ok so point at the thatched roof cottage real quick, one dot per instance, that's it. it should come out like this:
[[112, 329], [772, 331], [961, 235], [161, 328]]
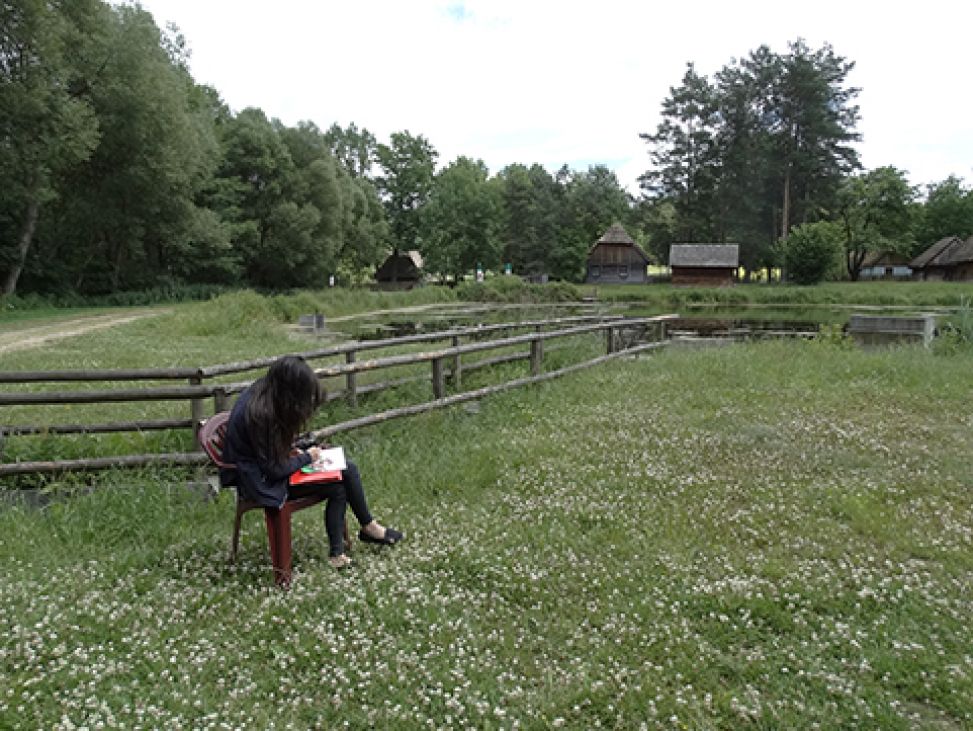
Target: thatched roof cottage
[[615, 258], [400, 271], [949, 259]]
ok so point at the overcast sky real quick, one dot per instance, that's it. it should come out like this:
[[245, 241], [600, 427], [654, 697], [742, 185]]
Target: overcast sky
[[530, 81]]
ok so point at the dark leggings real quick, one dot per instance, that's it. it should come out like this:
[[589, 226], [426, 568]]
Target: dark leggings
[[339, 495]]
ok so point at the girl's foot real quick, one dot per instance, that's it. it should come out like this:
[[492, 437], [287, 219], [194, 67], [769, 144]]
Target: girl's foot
[[340, 562], [375, 533], [373, 530]]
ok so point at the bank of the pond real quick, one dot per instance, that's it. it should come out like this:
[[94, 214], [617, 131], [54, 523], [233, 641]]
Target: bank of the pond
[[947, 295], [766, 536]]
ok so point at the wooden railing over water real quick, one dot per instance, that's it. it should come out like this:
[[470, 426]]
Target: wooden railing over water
[[445, 362]]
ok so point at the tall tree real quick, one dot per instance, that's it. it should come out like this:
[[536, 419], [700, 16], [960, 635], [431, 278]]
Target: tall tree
[[744, 197], [594, 200], [946, 211], [875, 215], [811, 119], [47, 124], [408, 165], [531, 211], [766, 144], [129, 218], [683, 153], [463, 220], [356, 149]]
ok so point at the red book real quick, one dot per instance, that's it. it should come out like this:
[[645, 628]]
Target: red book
[[315, 476], [327, 469]]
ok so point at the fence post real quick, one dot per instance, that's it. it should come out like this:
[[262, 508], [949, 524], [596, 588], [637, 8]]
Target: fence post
[[220, 400], [540, 345], [196, 408], [457, 365], [438, 379], [610, 340], [350, 381], [536, 354]]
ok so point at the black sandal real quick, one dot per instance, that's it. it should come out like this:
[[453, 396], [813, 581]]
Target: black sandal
[[391, 537]]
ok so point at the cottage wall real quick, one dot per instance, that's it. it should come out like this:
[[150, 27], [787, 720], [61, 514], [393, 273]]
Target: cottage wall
[[885, 272], [617, 274], [961, 272], [616, 264], [703, 276]]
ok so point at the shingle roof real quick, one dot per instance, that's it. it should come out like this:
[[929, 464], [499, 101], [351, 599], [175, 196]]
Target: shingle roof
[[615, 235], [884, 258], [704, 255], [934, 255], [408, 264], [960, 253], [619, 236]]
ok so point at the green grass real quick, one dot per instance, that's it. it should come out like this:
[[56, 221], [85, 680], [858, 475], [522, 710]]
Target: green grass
[[233, 327], [767, 536], [878, 294]]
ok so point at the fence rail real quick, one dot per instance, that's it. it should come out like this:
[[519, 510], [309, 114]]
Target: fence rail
[[444, 361]]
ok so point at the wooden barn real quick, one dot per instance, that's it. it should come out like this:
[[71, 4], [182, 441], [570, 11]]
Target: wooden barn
[[402, 270], [885, 265], [615, 258], [948, 260], [713, 265]]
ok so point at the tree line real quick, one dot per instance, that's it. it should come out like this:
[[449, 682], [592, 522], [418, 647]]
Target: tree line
[[119, 172], [762, 154]]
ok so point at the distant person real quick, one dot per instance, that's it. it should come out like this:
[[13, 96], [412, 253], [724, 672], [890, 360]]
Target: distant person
[[265, 421]]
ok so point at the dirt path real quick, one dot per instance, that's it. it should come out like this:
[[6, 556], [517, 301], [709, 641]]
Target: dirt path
[[35, 335]]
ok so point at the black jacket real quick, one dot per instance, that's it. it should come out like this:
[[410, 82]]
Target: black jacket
[[256, 478]]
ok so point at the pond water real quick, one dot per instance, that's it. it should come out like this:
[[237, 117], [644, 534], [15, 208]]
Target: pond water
[[696, 320], [434, 320]]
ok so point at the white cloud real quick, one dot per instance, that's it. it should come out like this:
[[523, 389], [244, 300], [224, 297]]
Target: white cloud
[[560, 82]]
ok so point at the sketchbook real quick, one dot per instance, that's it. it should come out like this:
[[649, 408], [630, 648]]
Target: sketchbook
[[326, 469]]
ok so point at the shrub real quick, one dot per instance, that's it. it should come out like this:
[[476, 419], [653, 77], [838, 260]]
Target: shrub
[[956, 335], [238, 311], [810, 252]]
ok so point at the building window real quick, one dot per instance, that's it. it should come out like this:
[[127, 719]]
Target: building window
[[595, 272], [623, 271]]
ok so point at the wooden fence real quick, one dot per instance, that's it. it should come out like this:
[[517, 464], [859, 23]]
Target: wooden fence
[[445, 361]]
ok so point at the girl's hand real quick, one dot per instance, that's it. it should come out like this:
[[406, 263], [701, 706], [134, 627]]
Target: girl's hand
[[315, 453]]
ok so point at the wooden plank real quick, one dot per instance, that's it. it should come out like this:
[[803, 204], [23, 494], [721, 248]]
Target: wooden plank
[[118, 426], [457, 365], [141, 374], [438, 379], [323, 434], [364, 345], [199, 458], [165, 393], [103, 463], [429, 355], [350, 379]]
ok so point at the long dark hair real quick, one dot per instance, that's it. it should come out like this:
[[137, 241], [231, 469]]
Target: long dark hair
[[280, 404]]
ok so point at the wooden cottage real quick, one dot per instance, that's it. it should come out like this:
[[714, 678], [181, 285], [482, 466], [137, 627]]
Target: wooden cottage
[[615, 258], [712, 265], [949, 259], [402, 270], [885, 265]]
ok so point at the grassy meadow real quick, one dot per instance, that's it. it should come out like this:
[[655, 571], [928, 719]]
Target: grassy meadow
[[878, 294], [768, 536]]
